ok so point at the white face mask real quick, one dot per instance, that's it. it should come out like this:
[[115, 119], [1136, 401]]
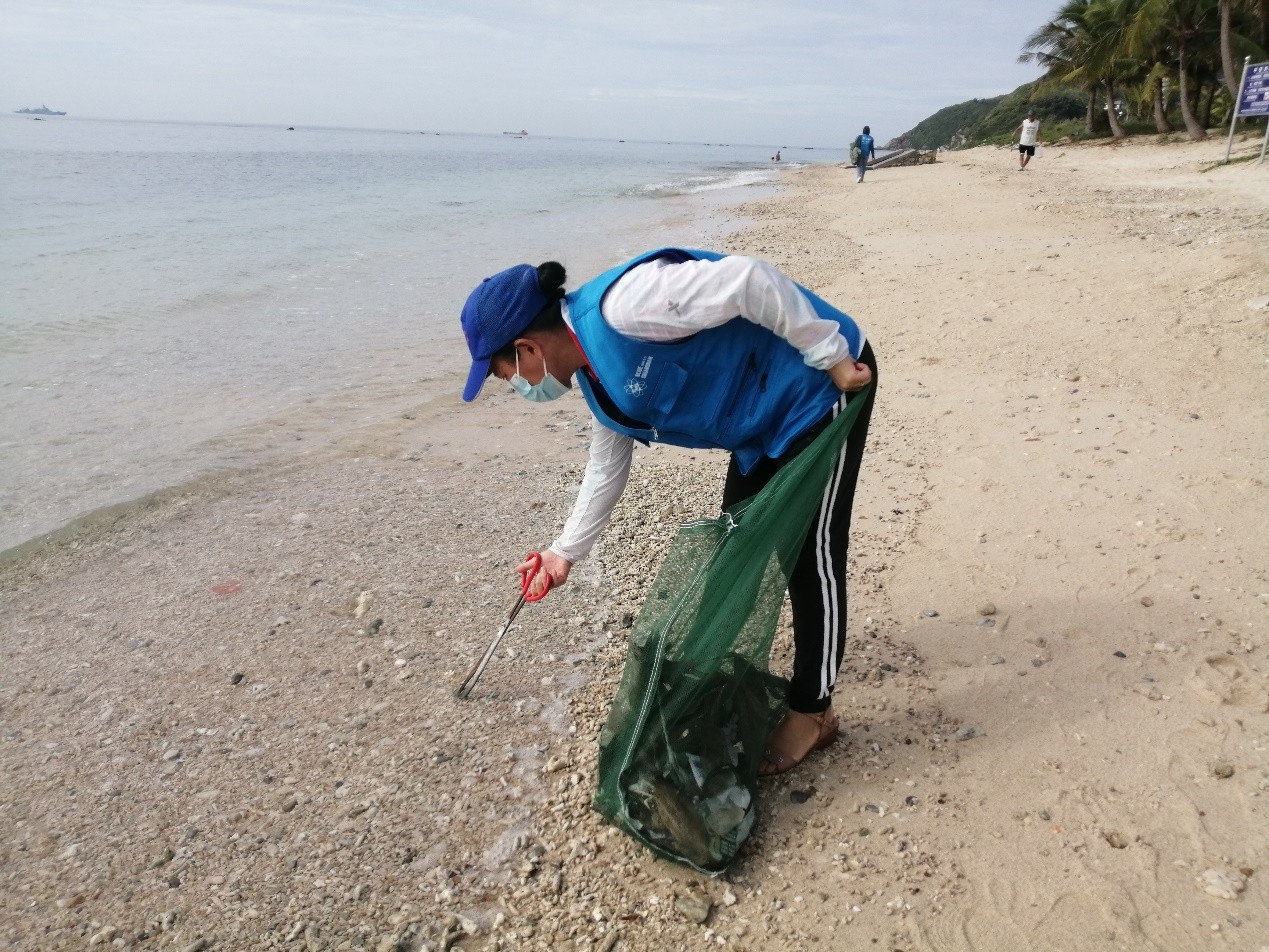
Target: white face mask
[[546, 391]]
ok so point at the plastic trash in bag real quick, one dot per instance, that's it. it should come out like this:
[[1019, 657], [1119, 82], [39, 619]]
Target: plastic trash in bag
[[680, 751]]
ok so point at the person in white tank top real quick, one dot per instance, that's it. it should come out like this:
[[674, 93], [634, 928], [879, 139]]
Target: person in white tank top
[[1027, 131]]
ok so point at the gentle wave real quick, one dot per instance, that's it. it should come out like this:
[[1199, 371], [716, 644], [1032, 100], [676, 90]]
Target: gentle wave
[[696, 184]]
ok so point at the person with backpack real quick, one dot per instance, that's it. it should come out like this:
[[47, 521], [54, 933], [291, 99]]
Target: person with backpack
[[862, 149], [695, 349]]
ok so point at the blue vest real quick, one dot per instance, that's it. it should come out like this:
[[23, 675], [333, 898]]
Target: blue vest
[[736, 387], [865, 145]]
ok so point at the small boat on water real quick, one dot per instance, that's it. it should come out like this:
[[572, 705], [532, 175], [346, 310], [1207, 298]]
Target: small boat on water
[[42, 111], [519, 135]]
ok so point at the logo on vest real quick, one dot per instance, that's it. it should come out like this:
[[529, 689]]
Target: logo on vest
[[635, 385]]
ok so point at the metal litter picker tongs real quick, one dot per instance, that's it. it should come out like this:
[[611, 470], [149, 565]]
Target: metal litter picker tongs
[[526, 581]]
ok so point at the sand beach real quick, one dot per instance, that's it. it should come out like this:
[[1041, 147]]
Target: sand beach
[[226, 713]]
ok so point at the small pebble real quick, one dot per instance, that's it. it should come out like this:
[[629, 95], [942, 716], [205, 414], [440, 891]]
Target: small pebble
[[1115, 839], [1147, 601], [930, 613], [692, 908], [987, 608], [163, 859], [987, 622], [968, 733], [1120, 654], [997, 659], [1222, 884], [1223, 771]]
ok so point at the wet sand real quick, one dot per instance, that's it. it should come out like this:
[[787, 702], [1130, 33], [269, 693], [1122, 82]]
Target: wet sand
[[228, 719]]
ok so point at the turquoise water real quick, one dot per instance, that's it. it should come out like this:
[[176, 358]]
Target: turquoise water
[[173, 297]]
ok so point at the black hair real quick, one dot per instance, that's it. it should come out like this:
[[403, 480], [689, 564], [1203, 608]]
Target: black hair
[[867, 131], [551, 277]]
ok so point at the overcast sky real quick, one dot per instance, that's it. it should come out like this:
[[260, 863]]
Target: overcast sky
[[758, 71]]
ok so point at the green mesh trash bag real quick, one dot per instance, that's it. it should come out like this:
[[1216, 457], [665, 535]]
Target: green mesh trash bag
[[679, 753]]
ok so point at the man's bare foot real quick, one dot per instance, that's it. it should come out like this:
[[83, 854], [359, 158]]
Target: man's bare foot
[[795, 738]]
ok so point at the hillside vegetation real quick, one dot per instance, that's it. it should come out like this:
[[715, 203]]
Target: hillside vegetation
[[1117, 67], [945, 125], [980, 121]]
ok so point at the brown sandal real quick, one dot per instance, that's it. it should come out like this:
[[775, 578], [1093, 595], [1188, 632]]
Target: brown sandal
[[828, 727]]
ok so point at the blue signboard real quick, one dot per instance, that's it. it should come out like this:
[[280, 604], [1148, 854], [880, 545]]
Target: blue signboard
[[1255, 98]]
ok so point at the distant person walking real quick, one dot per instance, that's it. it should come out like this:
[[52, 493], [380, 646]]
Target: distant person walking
[[1027, 131], [862, 149]]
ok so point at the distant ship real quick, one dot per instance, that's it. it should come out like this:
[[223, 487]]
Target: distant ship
[[42, 111], [522, 132]]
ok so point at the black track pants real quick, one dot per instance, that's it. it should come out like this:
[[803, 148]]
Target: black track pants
[[817, 587]]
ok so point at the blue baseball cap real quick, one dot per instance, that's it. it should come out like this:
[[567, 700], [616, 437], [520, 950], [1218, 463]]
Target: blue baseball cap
[[496, 313]]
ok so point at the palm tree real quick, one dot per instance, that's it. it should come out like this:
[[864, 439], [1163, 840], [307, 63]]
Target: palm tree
[[1062, 47], [1227, 56], [1158, 102], [1126, 46], [1184, 25], [1109, 22], [1084, 45]]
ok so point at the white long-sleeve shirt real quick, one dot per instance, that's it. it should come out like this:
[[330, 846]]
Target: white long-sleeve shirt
[[662, 300]]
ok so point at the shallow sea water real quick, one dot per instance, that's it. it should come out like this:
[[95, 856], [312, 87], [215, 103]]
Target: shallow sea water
[[178, 298]]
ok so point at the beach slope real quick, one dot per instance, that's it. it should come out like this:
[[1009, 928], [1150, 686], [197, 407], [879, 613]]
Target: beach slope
[[228, 719]]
